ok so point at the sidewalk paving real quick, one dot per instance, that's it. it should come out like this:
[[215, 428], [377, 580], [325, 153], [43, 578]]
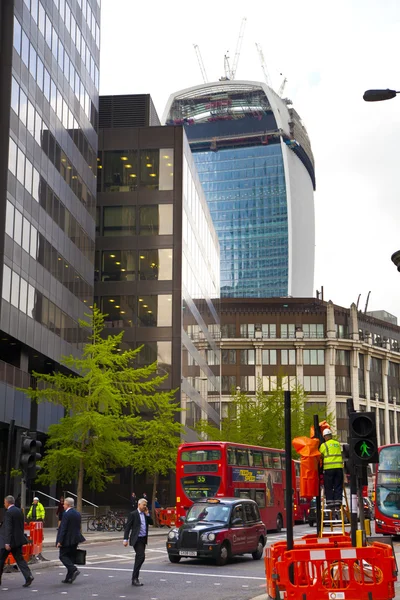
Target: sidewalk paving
[[50, 534]]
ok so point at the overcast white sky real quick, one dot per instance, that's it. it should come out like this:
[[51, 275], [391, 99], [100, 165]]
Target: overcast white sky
[[330, 52]]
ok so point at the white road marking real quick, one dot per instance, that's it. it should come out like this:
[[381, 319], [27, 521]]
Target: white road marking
[[177, 573]]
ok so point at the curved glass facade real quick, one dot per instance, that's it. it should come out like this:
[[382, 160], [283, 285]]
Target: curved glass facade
[[246, 193]]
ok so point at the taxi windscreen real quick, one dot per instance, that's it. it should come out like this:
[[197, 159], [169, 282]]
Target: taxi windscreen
[[208, 512]]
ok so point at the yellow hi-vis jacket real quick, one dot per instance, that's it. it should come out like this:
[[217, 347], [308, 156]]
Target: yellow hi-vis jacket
[[332, 455]]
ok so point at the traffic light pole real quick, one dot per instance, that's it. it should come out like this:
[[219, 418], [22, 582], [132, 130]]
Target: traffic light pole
[[23, 493], [317, 434], [10, 441]]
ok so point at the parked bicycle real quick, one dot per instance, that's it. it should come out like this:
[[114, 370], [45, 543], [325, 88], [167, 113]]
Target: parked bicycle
[[111, 521]]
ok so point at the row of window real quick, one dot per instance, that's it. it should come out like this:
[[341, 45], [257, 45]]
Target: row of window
[[269, 330], [22, 168], [28, 300], [270, 357], [127, 265], [30, 58], [39, 130], [256, 458], [121, 221], [87, 13], [132, 311], [26, 235], [126, 170]]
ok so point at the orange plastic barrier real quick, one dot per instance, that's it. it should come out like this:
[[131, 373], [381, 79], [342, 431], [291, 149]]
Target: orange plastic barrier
[[26, 550], [332, 570], [36, 535], [166, 516]]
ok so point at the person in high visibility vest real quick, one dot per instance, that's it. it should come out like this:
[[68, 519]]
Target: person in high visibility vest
[[333, 469]]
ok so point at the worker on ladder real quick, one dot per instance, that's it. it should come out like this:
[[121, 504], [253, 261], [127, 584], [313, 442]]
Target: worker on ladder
[[333, 470]]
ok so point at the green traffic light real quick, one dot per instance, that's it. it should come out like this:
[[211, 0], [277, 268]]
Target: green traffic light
[[364, 449]]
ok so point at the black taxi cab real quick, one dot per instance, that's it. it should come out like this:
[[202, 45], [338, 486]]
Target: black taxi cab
[[218, 528]]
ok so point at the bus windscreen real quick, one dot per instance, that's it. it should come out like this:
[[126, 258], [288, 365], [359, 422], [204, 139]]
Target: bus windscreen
[[201, 486]]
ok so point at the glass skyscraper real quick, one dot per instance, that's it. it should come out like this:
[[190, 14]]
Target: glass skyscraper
[[256, 166], [49, 73]]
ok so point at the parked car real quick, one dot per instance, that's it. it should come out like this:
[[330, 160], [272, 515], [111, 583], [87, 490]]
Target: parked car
[[219, 528], [312, 513]]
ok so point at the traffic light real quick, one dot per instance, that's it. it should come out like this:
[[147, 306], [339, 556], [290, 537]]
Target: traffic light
[[363, 440], [30, 454]]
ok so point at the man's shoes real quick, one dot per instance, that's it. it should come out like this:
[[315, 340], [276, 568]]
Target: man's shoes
[[28, 581], [136, 582], [75, 575], [66, 581]]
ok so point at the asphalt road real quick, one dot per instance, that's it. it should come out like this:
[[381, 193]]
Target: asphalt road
[[107, 575]]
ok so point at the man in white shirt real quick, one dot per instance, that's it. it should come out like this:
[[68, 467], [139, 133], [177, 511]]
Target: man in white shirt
[[136, 531]]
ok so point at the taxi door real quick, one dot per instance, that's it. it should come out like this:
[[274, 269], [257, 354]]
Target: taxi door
[[252, 527], [238, 530]]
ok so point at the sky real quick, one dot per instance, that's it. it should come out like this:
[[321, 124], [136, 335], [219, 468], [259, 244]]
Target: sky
[[330, 53]]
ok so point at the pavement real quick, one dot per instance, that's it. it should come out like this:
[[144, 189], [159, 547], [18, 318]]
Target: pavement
[[50, 534]]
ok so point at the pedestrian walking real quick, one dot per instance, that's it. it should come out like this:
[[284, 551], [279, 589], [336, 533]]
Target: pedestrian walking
[[333, 470], [134, 501], [60, 510], [36, 511], [136, 534], [68, 537], [12, 538]]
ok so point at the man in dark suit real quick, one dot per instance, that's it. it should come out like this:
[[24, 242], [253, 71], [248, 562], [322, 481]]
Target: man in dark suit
[[68, 537], [136, 531], [13, 538]]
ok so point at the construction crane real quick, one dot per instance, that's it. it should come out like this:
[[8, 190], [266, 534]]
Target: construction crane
[[201, 64], [282, 87], [263, 65], [238, 49]]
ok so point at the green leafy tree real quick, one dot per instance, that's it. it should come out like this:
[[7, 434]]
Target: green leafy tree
[[101, 402], [157, 440], [259, 420]]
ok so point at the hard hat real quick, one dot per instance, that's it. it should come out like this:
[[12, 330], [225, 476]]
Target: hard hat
[[326, 432], [36, 498]]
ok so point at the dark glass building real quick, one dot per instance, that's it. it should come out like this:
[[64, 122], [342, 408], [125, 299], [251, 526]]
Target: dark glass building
[[157, 253], [49, 58], [256, 166]]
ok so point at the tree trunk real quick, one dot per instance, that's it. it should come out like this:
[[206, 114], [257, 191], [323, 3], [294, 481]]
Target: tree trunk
[[153, 499], [79, 491]]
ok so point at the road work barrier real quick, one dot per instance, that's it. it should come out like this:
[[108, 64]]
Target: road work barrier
[[166, 516], [330, 569]]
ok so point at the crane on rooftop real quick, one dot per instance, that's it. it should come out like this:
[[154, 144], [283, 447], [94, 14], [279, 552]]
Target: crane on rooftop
[[263, 65], [238, 48], [282, 87], [201, 64]]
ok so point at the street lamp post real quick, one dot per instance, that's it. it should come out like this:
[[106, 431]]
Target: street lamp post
[[379, 95]]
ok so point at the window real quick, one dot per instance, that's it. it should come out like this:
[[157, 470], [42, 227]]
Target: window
[[313, 330], [228, 330], [10, 219], [314, 383], [15, 289], [247, 330], [288, 357], [248, 383], [119, 311], [228, 357], [17, 35], [119, 220], [232, 456], [156, 219], [155, 264], [247, 357], [260, 498], [228, 383], [257, 458], [341, 331], [157, 169], [6, 289], [12, 157], [269, 357], [288, 330], [269, 383], [314, 357], [343, 384], [120, 170], [268, 330], [242, 457], [155, 311], [118, 265], [25, 49], [343, 357]]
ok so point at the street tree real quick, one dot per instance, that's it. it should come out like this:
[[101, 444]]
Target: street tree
[[157, 440], [101, 392], [259, 419]]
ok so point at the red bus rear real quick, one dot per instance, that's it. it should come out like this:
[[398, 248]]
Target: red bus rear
[[206, 469], [300, 505], [387, 491]]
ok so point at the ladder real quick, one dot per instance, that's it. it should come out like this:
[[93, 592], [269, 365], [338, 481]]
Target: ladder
[[332, 518]]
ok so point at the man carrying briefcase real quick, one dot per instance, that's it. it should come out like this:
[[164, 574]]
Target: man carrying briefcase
[[68, 537]]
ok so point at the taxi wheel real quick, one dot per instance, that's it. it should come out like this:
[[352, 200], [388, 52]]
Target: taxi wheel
[[279, 523], [173, 558], [224, 553], [260, 549]]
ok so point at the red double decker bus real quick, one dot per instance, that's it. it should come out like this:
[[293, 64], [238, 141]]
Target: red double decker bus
[[387, 490], [300, 505], [224, 469]]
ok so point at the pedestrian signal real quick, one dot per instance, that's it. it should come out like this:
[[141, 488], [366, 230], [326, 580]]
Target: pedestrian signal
[[363, 439]]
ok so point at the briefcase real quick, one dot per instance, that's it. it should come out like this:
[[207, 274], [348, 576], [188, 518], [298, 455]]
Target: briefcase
[[80, 557]]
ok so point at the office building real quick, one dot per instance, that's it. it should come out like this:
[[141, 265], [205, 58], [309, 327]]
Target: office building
[[333, 352], [157, 253], [49, 75], [256, 166]]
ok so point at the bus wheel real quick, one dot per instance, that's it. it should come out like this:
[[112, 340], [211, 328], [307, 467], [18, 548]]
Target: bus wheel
[[259, 552], [173, 558], [279, 523], [223, 555]]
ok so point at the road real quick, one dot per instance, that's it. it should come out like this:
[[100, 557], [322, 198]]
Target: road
[[107, 575]]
